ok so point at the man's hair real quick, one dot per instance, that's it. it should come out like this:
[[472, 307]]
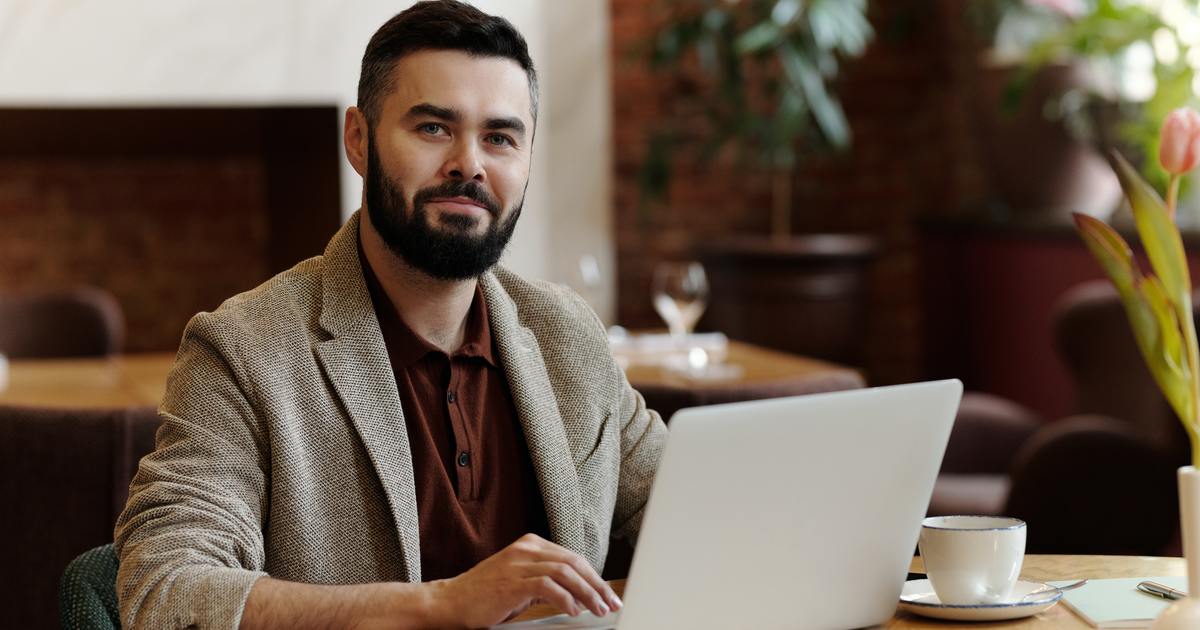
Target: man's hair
[[437, 25]]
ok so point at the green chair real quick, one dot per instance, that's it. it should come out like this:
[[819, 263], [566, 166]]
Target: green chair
[[87, 595]]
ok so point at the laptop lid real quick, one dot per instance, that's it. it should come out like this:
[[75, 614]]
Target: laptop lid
[[795, 512]]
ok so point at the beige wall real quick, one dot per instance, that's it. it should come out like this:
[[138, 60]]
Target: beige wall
[[195, 52]]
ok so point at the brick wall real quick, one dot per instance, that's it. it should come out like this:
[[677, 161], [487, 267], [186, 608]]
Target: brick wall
[[908, 102], [168, 237], [172, 210]]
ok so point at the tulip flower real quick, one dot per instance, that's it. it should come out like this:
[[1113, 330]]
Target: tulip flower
[[1179, 149]]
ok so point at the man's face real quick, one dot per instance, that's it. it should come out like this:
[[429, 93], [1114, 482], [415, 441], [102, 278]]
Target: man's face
[[448, 161]]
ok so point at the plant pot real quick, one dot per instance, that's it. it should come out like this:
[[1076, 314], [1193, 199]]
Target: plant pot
[[1036, 167], [1185, 613], [804, 294]]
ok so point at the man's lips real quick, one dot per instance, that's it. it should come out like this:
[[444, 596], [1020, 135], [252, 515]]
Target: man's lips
[[459, 204]]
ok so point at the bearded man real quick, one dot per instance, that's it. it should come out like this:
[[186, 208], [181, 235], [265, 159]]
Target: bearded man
[[399, 433]]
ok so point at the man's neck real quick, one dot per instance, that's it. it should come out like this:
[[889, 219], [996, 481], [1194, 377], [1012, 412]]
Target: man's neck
[[434, 309]]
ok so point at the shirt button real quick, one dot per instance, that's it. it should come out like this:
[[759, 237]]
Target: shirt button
[[464, 459], [451, 398]]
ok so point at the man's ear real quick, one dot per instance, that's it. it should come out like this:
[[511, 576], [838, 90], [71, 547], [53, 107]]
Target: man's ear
[[354, 136]]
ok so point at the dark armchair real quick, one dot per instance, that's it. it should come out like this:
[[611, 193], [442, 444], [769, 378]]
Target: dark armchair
[[78, 321], [1102, 481]]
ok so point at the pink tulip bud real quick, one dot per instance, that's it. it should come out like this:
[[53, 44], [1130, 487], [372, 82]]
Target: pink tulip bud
[[1068, 8], [1179, 147]]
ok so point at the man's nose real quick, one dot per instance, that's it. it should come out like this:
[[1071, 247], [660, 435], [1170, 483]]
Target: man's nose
[[464, 162]]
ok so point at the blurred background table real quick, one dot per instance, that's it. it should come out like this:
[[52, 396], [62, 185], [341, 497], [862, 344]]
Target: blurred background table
[[123, 380], [746, 372], [130, 380]]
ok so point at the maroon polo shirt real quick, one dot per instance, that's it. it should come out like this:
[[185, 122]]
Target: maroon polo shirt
[[476, 488]]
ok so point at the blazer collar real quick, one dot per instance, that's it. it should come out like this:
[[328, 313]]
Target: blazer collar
[[537, 408], [355, 360]]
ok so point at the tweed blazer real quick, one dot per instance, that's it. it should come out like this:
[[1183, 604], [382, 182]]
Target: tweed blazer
[[283, 448]]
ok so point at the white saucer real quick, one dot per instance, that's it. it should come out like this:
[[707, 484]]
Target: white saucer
[[918, 598]]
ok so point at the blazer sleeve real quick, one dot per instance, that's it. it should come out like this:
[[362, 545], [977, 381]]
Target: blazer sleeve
[[190, 538], [643, 435]]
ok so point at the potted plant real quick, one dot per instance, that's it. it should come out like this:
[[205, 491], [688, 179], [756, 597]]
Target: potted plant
[[760, 75], [1065, 80], [768, 68], [1159, 307]]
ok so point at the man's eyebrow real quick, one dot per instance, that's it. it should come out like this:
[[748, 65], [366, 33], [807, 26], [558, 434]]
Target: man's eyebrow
[[442, 113], [452, 115], [514, 124]]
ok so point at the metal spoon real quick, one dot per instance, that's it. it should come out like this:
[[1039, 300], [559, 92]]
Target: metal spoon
[[1054, 589]]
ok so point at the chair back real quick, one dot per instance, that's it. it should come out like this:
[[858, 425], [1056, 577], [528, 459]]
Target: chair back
[[78, 321], [1092, 484], [1096, 343], [87, 595]]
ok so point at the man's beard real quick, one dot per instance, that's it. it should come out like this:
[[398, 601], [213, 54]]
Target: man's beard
[[448, 252]]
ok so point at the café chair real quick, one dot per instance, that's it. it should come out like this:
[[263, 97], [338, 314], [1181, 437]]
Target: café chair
[[87, 595], [64, 476], [987, 435], [1093, 484], [1101, 481], [1095, 343], [68, 322]]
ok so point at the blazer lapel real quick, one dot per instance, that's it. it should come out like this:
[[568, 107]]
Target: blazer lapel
[[355, 360], [537, 408]]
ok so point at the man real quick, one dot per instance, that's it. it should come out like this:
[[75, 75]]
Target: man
[[391, 434]]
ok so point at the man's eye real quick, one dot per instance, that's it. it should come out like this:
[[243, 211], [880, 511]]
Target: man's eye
[[431, 128], [499, 140]]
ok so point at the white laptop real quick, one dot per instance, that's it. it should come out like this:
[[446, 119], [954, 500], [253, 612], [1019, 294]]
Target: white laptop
[[789, 513]]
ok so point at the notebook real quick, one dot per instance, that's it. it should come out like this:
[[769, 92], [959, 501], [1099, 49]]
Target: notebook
[[1116, 603]]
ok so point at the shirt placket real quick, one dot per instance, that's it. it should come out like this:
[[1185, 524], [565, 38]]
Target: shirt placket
[[465, 463]]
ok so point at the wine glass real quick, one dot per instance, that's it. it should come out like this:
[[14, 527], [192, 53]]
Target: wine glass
[[680, 291]]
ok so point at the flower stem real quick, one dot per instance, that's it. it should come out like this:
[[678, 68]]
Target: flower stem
[[1193, 362], [1172, 195]]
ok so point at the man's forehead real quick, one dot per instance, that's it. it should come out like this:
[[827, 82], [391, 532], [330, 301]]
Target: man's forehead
[[481, 86]]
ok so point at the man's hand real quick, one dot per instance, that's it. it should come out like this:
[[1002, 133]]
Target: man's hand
[[528, 571]]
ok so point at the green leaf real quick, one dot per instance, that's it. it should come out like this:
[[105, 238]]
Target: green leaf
[[826, 111], [760, 37], [1159, 235], [1110, 250], [1161, 342], [840, 25], [1151, 314], [785, 11]]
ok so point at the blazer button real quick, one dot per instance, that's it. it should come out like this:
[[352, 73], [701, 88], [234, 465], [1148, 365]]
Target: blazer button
[[464, 459], [451, 398]]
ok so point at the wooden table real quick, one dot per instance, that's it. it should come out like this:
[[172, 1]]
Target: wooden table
[[756, 373], [1037, 567], [757, 366], [128, 380], [140, 379]]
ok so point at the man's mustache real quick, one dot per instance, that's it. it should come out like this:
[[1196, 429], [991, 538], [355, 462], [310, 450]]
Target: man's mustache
[[469, 189]]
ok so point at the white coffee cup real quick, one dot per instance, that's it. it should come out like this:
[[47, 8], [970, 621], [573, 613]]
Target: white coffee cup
[[972, 560]]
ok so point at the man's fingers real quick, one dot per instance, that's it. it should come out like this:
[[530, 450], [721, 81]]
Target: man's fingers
[[545, 588], [569, 578], [536, 549], [556, 553]]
